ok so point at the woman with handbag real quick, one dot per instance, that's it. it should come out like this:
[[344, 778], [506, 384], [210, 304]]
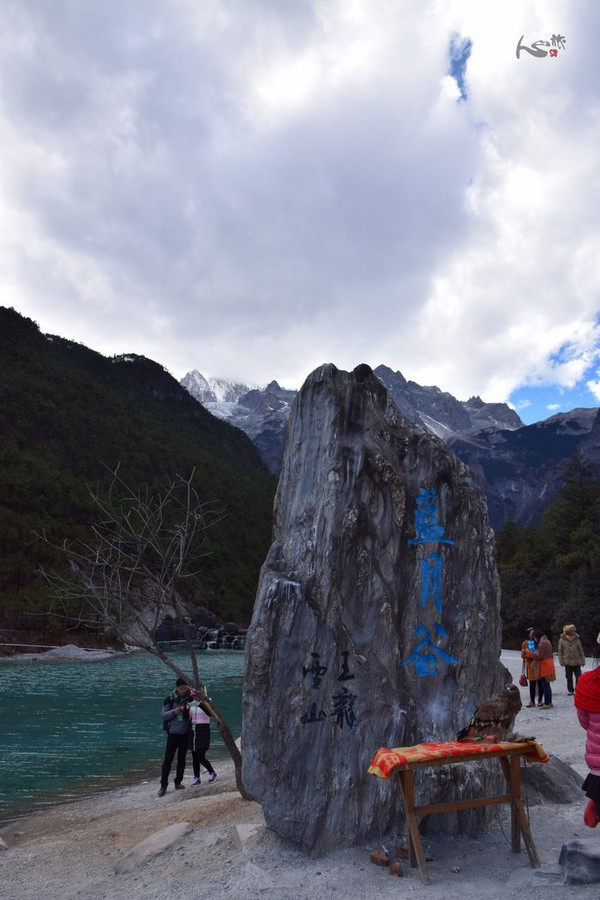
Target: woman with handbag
[[544, 656], [530, 672]]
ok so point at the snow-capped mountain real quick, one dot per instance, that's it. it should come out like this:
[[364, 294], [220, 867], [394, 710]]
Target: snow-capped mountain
[[212, 390], [442, 413], [263, 412], [520, 467]]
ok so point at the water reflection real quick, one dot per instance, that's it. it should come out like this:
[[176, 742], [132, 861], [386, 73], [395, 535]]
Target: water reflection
[[72, 726]]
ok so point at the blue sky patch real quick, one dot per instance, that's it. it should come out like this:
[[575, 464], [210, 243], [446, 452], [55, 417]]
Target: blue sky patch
[[459, 52], [534, 403]]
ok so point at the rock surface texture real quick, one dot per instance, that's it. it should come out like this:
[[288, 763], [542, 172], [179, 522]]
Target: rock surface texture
[[377, 618]]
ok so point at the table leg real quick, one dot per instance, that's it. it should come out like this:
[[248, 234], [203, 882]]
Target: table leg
[[518, 818], [415, 847], [520, 814], [513, 781]]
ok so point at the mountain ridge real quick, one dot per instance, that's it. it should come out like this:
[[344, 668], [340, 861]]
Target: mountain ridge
[[519, 467]]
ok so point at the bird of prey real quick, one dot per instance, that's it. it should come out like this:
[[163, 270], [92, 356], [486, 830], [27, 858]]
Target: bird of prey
[[494, 719]]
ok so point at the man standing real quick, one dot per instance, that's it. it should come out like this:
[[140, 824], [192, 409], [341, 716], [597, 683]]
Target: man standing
[[571, 655], [175, 713]]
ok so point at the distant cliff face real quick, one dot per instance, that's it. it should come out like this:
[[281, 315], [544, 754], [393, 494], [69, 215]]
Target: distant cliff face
[[522, 471], [442, 413], [519, 467]]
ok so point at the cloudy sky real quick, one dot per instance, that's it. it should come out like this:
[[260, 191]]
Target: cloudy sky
[[254, 187]]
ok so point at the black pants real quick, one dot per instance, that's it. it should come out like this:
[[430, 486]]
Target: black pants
[[198, 759], [569, 672], [176, 743], [533, 688], [591, 786], [201, 743], [547, 686]]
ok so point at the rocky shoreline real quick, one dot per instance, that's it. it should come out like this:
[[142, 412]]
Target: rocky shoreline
[[66, 651]]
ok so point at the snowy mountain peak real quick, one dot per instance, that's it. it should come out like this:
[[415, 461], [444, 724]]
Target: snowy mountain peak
[[227, 391], [213, 390], [197, 385]]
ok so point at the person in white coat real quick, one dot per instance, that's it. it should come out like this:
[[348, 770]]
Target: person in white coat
[[200, 719]]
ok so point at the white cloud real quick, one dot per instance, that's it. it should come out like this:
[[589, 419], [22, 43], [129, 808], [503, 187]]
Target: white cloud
[[253, 189]]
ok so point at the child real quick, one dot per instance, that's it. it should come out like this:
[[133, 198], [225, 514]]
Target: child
[[587, 704]]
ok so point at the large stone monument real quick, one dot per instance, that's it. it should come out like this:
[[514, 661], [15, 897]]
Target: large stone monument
[[377, 619]]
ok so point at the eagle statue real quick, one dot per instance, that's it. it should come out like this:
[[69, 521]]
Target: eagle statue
[[494, 719]]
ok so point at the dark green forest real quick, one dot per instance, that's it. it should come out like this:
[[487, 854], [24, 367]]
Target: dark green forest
[[67, 416], [550, 574]]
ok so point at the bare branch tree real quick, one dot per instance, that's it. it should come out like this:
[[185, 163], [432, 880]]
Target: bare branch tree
[[128, 576]]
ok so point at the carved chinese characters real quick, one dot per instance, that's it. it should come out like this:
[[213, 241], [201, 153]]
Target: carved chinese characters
[[341, 704]]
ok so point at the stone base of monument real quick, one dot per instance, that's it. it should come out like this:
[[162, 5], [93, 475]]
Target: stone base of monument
[[580, 861]]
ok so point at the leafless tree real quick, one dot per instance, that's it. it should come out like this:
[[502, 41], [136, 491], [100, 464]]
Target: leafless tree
[[128, 576]]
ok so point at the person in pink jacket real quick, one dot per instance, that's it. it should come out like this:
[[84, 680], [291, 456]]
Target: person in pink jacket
[[200, 719], [587, 704]]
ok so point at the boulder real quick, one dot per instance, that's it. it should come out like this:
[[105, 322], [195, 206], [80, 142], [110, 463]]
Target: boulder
[[376, 622], [580, 861], [554, 782]]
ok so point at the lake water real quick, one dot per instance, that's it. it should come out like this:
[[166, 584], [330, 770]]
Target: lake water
[[74, 726]]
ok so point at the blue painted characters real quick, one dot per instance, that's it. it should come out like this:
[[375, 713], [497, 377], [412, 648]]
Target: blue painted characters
[[427, 652]]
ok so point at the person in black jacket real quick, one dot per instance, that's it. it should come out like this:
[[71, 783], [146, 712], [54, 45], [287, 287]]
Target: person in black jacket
[[175, 713]]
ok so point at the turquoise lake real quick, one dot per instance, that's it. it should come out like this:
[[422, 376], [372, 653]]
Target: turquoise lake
[[72, 727]]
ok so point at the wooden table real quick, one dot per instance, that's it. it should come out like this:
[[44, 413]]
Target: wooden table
[[509, 755]]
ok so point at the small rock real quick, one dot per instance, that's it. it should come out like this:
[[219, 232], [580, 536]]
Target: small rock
[[580, 861], [151, 847], [246, 836], [396, 869], [380, 858], [455, 869]]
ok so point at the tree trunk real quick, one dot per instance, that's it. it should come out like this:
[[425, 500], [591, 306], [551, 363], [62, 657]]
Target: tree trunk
[[231, 746]]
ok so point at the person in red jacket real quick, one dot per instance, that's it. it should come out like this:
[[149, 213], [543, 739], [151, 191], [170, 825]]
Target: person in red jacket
[[587, 704]]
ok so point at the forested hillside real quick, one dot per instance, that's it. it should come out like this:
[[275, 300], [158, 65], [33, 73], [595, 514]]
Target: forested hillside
[[550, 575], [67, 416]]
